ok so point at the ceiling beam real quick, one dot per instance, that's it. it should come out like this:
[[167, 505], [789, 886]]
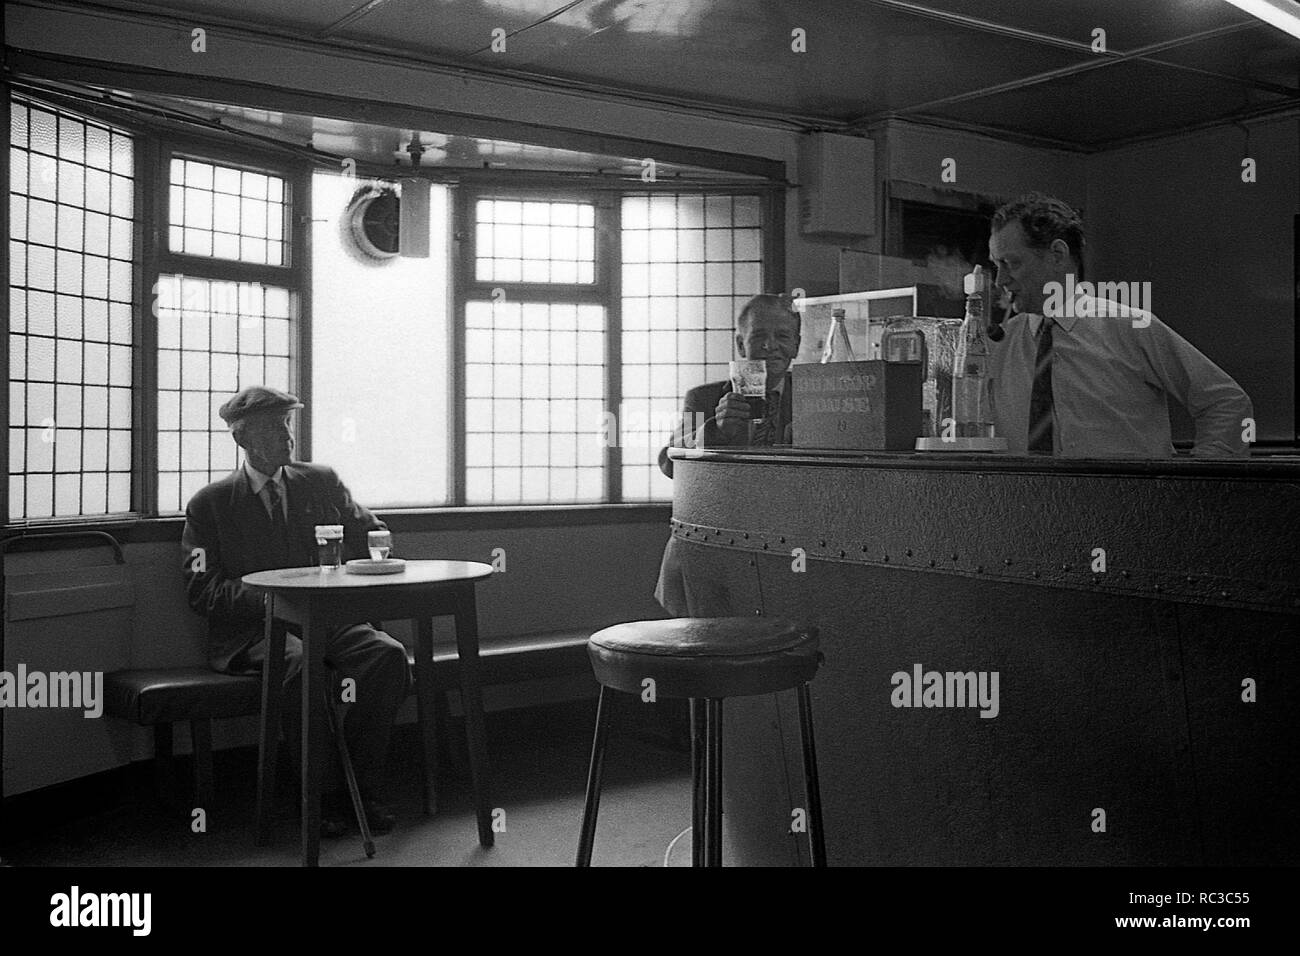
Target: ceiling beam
[[351, 17]]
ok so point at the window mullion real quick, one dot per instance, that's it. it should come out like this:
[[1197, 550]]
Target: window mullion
[[150, 198], [462, 267], [609, 257]]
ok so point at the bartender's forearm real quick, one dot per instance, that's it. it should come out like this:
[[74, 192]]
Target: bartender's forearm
[[1221, 428]]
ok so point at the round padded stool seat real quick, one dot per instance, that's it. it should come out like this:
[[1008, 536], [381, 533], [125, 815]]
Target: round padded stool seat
[[705, 657]]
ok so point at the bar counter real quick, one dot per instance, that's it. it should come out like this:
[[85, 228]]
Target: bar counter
[[1141, 618]]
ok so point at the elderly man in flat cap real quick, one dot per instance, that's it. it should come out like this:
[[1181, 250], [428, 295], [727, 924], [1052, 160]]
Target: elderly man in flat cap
[[263, 516]]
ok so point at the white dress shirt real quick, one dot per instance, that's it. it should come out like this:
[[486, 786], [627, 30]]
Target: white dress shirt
[[259, 481], [1112, 374]]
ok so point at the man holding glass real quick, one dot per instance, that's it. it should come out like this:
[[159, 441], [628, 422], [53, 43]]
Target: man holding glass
[[717, 413], [264, 516]]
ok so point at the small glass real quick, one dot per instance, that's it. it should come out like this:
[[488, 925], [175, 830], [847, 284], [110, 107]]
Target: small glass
[[329, 546], [380, 544]]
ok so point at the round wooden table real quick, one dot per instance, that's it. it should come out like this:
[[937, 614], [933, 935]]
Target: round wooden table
[[315, 601]]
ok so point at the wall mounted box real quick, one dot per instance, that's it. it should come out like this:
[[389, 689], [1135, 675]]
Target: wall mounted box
[[837, 185], [859, 406]]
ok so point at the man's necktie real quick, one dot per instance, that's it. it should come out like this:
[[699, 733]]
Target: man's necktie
[[279, 527], [1040, 402], [765, 432]]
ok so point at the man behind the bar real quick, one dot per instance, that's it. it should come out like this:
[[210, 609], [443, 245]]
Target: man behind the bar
[[263, 516], [1092, 378], [713, 415]]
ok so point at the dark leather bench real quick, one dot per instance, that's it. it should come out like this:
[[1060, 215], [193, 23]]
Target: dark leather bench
[[162, 697]]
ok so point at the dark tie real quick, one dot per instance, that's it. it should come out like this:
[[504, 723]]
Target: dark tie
[[1040, 402], [278, 526], [766, 431]]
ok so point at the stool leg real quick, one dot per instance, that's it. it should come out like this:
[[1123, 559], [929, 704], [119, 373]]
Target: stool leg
[[816, 834], [594, 774], [713, 782], [698, 826], [201, 739]]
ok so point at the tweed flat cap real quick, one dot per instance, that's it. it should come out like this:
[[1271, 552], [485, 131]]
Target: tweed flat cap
[[257, 398]]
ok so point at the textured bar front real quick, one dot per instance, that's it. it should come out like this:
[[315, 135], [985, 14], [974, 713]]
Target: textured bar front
[[1141, 620]]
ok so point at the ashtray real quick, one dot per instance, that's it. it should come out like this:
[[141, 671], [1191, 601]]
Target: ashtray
[[366, 566]]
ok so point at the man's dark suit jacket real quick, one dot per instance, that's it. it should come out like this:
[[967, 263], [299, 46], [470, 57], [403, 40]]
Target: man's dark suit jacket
[[698, 409], [232, 527]]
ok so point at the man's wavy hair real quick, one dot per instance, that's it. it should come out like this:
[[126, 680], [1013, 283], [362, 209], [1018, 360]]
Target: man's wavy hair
[[1044, 220], [779, 303]]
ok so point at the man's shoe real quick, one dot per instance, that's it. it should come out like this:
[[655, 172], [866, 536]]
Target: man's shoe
[[334, 816], [378, 817], [332, 825]]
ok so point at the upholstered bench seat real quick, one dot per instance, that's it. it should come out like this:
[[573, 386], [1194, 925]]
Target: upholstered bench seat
[[171, 694]]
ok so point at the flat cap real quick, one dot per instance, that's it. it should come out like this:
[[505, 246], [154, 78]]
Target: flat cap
[[257, 398]]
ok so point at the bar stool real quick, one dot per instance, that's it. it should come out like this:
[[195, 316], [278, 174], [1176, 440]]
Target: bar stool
[[705, 660]]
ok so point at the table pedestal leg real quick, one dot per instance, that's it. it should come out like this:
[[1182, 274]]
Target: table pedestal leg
[[315, 679], [268, 750], [426, 705], [472, 702]]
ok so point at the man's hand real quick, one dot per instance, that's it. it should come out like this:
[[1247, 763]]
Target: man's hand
[[732, 416]]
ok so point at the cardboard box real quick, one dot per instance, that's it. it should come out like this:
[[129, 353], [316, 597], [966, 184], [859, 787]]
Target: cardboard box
[[863, 406]]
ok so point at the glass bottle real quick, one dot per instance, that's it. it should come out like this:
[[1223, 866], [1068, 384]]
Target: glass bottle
[[971, 364], [837, 347]]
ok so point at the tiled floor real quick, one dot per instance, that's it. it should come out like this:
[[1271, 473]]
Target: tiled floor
[[539, 763]]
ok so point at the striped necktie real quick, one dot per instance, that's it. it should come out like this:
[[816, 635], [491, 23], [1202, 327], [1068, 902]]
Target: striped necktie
[[1040, 402]]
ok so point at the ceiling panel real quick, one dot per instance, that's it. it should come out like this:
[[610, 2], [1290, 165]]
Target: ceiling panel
[[734, 53], [865, 59], [1102, 106], [1128, 23]]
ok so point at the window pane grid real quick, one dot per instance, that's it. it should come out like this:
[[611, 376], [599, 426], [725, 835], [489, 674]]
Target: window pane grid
[[534, 402], [214, 338], [530, 241], [689, 262], [72, 199], [226, 213]]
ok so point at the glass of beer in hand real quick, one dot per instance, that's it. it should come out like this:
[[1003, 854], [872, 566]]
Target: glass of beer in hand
[[749, 380], [329, 546]]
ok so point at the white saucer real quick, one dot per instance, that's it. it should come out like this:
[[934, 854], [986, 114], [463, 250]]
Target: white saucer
[[961, 444], [366, 566]]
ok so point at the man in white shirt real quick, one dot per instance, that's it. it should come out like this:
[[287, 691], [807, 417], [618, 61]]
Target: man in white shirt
[[1084, 377]]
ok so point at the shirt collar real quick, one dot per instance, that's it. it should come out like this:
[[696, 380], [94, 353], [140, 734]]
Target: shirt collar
[[258, 481], [1064, 321]]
